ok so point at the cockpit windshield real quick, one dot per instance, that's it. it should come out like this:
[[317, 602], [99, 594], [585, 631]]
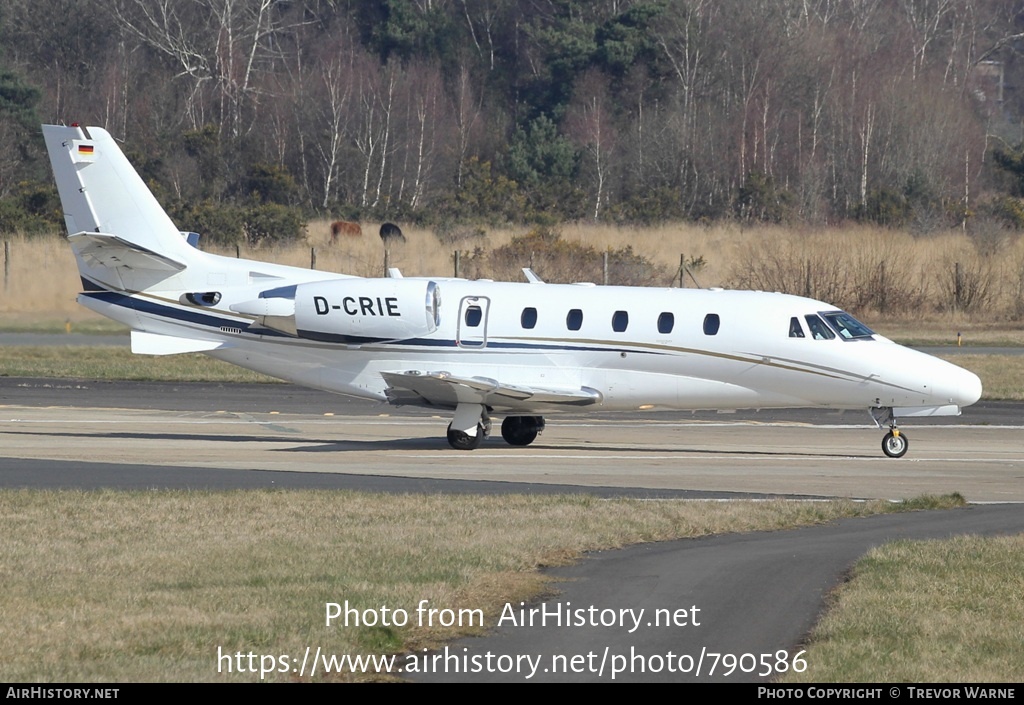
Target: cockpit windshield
[[848, 327], [819, 331]]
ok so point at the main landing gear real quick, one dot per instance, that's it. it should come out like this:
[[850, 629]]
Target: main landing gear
[[895, 443], [461, 440], [521, 430], [472, 424]]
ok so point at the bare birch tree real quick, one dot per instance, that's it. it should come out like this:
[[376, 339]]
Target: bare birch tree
[[589, 125], [223, 43]]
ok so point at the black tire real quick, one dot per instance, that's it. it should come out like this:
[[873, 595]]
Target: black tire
[[459, 440], [895, 446], [521, 430]]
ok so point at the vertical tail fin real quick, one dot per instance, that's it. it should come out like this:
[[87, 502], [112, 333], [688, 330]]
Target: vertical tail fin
[[101, 192]]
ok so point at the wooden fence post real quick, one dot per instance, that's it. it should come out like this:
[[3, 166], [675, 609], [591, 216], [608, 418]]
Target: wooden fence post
[[958, 287]]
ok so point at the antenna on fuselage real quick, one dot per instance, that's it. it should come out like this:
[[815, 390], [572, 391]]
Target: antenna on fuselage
[[531, 276]]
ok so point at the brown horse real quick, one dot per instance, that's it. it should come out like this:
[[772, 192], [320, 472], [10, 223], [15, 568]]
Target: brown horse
[[346, 228]]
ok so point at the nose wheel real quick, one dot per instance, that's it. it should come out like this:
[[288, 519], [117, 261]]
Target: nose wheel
[[895, 444]]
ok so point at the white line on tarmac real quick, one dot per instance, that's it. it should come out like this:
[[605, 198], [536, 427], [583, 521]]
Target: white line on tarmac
[[244, 419], [708, 455]]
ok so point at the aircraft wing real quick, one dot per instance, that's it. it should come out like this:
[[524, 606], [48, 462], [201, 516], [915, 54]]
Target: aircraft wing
[[443, 389], [102, 249]]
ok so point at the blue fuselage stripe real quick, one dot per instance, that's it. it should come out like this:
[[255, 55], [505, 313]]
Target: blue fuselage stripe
[[153, 308]]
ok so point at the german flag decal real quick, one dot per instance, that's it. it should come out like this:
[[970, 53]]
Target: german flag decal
[[83, 152]]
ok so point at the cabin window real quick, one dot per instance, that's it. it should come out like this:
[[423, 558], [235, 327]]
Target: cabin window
[[819, 331], [848, 327], [711, 324], [574, 320], [620, 320], [795, 329], [529, 317], [474, 314], [666, 322]]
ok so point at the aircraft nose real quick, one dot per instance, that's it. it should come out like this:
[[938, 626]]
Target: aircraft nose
[[968, 387], [949, 383]]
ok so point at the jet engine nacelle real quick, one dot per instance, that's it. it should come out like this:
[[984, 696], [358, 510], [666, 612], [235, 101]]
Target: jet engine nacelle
[[357, 311]]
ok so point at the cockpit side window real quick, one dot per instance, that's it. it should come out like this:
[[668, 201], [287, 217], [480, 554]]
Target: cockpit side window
[[848, 327], [795, 329], [819, 331]]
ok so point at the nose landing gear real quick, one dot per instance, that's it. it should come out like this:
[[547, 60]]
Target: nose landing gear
[[895, 443]]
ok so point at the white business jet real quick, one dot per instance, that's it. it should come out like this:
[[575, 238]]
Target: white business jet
[[476, 348]]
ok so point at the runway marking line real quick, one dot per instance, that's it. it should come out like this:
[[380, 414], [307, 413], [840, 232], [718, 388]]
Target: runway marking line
[[245, 418], [708, 456]]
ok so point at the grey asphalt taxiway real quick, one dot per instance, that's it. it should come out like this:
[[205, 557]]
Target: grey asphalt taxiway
[[209, 435], [757, 593]]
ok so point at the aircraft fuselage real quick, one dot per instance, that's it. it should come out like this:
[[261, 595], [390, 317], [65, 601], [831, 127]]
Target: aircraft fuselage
[[637, 347]]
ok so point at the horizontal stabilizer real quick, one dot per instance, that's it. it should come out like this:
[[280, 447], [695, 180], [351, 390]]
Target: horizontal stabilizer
[[155, 344], [446, 390], [105, 250]]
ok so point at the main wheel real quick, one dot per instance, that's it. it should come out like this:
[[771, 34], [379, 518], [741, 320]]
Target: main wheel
[[521, 430], [460, 440], [895, 446]]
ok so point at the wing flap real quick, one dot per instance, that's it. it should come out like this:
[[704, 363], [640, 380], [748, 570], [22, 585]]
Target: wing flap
[[443, 389]]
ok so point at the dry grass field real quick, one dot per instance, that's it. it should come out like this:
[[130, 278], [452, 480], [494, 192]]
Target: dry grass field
[[948, 282], [145, 586], [925, 612]]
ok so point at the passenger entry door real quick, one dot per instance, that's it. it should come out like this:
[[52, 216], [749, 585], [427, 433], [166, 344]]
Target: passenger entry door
[[472, 331]]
